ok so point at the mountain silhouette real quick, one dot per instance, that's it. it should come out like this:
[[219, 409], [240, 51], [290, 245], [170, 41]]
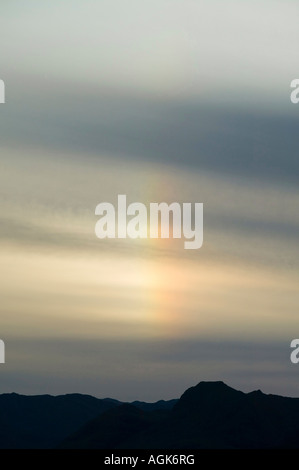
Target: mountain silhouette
[[43, 421], [210, 415], [115, 429]]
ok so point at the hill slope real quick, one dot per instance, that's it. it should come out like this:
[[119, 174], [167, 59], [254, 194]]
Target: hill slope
[[209, 415], [44, 421]]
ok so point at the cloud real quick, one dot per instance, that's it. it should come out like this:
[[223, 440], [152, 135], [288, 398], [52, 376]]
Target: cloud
[[145, 370], [87, 125], [147, 99], [165, 48]]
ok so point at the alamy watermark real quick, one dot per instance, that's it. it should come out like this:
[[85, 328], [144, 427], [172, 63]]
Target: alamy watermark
[[295, 93], [295, 353], [2, 352], [2, 92], [160, 220]]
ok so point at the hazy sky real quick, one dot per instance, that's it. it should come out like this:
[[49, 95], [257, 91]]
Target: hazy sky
[[177, 100]]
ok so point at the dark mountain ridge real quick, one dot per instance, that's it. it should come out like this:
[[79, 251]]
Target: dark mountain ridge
[[43, 421], [210, 415]]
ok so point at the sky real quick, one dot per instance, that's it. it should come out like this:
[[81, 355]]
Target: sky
[[181, 100]]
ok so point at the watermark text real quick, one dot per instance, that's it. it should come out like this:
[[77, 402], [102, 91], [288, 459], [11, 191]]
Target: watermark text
[[160, 220]]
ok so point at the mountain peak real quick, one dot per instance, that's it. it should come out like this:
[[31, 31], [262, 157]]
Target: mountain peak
[[204, 387], [207, 395], [212, 384]]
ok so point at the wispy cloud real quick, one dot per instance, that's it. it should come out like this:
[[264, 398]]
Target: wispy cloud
[[162, 101]]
